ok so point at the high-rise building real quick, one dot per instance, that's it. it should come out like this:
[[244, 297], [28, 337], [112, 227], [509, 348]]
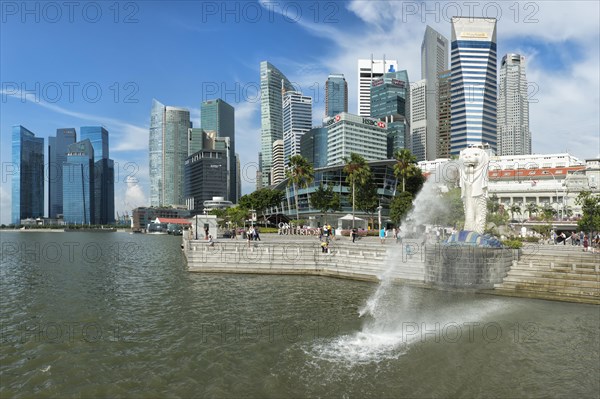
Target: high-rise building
[[297, 120], [206, 173], [168, 144], [367, 71], [514, 137], [348, 133], [434, 59], [272, 85], [28, 178], [418, 119], [473, 83], [104, 184], [443, 108], [336, 95], [58, 147], [313, 146], [390, 102], [219, 116], [79, 184], [279, 162], [195, 138]]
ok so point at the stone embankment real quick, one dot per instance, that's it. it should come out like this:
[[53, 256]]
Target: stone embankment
[[556, 272], [548, 272], [366, 259]]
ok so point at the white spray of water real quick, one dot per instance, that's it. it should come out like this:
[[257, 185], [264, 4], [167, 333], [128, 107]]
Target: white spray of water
[[389, 309]]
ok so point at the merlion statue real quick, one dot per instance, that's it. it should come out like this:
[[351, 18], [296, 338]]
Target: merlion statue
[[474, 163]]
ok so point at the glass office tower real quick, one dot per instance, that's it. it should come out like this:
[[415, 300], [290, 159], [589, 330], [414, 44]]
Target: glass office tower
[[28, 175], [79, 184], [58, 147], [473, 83]]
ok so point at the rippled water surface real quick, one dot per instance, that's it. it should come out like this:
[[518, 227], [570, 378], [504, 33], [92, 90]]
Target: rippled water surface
[[117, 315]]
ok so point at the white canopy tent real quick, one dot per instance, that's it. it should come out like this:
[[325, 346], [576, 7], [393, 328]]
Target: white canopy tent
[[345, 222]]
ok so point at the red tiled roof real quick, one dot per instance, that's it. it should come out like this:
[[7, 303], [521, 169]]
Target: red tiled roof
[[174, 221]]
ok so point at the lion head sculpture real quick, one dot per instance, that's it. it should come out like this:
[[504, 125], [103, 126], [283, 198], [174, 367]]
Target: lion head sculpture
[[474, 171]]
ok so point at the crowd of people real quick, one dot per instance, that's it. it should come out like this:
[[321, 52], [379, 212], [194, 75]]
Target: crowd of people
[[589, 242]]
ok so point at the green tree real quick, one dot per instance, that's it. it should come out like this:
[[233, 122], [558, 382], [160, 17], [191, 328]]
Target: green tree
[[493, 206], [455, 210], [532, 209], [590, 207], [514, 208], [357, 173], [261, 200], [401, 204], [325, 199], [414, 183], [237, 215], [405, 166], [366, 196], [300, 173]]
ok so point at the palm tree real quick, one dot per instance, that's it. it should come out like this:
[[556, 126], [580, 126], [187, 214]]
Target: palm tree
[[514, 208], [300, 173], [357, 171], [405, 166], [531, 208]]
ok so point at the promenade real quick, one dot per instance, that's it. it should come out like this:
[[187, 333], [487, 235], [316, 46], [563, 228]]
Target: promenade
[[554, 272]]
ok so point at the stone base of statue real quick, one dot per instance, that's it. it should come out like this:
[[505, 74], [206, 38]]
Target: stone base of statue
[[468, 260]]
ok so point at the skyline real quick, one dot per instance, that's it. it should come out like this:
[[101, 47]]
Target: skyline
[[563, 76]]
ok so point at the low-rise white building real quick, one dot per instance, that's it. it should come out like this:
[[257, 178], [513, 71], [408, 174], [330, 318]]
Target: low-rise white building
[[548, 180]]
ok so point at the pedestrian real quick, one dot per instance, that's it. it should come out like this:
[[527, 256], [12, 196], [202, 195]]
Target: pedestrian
[[206, 232], [586, 243], [256, 234], [324, 246], [563, 238], [211, 243], [354, 233], [437, 235], [382, 235], [574, 238]]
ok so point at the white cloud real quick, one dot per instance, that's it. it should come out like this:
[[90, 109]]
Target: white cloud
[[127, 136]]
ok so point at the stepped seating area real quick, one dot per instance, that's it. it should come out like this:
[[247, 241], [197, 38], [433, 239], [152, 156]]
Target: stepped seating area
[[345, 259], [560, 272]]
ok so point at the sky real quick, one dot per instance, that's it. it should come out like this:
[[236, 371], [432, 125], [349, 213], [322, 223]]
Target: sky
[[73, 64]]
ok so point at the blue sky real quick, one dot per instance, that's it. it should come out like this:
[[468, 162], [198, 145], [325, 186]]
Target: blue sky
[[101, 63]]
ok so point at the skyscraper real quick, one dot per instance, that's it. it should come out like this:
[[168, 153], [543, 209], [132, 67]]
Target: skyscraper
[[297, 120], [206, 173], [168, 144], [79, 184], [272, 85], [336, 95], [390, 102], [473, 83], [418, 119], [514, 137], [104, 184], [444, 120], [57, 155], [278, 165], [367, 71], [28, 176], [434, 59], [219, 116], [313, 146]]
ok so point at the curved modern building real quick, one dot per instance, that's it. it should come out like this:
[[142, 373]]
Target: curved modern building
[[168, 152], [272, 85]]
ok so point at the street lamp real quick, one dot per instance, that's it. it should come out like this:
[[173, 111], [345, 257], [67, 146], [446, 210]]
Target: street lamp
[[379, 208], [556, 188]]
